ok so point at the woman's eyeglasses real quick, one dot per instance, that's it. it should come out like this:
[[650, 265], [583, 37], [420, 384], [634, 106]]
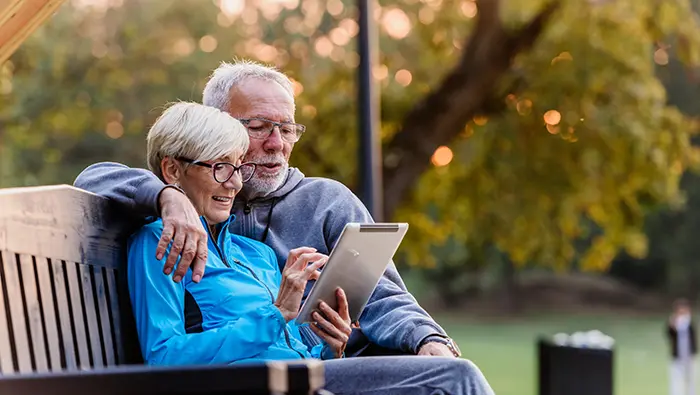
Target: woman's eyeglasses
[[223, 171]]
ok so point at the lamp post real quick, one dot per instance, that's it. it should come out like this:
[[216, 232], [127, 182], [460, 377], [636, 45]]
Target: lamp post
[[370, 157]]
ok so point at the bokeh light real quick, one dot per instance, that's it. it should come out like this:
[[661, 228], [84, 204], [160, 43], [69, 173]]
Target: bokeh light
[[468, 8], [323, 46], [442, 156], [114, 130], [524, 107], [208, 43], [380, 72], [396, 23], [232, 7], [403, 77], [552, 117], [661, 57], [481, 120]]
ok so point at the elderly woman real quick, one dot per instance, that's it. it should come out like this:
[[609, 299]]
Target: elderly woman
[[245, 305]]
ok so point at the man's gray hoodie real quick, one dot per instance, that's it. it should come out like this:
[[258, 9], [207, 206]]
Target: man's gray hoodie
[[303, 212]]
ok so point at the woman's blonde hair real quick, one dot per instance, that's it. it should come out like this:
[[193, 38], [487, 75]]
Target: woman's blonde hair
[[196, 132]]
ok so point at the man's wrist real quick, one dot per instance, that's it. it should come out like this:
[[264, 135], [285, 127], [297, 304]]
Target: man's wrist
[[451, 345], [163, 190], [431, 338], [329, 353]]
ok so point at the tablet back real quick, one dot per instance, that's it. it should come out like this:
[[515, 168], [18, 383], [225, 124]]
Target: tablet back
[[356, 265]]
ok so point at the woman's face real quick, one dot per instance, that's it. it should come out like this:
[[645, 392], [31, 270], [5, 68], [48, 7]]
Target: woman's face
[[210, 198]]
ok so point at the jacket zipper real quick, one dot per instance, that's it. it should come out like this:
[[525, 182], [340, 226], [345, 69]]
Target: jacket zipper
[[255, 276], [216, 245], [272, 299]]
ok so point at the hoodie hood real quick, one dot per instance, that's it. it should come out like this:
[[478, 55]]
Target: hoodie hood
[[294, 177]]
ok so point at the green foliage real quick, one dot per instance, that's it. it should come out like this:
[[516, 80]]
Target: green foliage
[[615, 151], [86, 87]]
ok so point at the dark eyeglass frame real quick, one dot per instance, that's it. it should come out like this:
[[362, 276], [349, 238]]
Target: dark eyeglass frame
[[236, 169], [299, 127]]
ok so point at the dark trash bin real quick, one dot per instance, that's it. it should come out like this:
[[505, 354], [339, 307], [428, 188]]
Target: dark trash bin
[[565, 369]]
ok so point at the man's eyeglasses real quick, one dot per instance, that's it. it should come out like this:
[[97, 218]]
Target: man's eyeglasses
[[261, 128], [223, 171]]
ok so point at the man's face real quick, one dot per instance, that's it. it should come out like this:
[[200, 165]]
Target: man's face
[[256, 98]]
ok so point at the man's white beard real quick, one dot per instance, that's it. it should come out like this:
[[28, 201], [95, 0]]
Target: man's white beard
[[264, 184]]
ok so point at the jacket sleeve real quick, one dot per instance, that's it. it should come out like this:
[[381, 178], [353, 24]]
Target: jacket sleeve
[[158, 307], [137, 190], [392, 317], [317, 348]]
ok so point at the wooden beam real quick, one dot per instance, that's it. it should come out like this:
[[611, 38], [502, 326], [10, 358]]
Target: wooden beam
[[19, 19]]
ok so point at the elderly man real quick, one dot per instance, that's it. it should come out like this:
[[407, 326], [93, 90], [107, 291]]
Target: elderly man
[[279, 206]]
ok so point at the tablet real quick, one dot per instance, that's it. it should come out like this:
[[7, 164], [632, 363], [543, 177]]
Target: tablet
[[356, 265]]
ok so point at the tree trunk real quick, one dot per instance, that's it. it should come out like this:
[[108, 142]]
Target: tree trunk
[[469, 89], [511, 302]]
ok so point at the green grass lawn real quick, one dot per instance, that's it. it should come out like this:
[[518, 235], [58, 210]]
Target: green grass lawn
[[505, 351]]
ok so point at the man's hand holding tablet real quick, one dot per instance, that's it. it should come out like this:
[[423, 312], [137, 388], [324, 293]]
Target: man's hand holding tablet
[[355, 265]]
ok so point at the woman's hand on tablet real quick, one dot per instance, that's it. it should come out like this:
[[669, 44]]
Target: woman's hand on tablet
[[302, 264], [335, 327]]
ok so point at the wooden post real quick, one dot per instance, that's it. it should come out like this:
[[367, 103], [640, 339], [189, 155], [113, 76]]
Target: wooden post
[[19, 19]]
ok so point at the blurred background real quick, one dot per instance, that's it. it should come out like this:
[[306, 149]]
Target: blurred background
[[569, 200]]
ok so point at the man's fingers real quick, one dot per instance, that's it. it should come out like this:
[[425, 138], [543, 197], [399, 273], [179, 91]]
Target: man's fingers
[[435, 350], [338, 332], [201, 261], [189, 253], [175, 249], [333, 343], [165, 238], [336, 319], [330, 340], [343, 309]]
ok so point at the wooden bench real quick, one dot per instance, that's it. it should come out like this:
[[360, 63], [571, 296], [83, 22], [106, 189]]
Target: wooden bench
[[65, 314]]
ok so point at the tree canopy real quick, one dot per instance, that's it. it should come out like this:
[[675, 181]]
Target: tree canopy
[[571, 144]]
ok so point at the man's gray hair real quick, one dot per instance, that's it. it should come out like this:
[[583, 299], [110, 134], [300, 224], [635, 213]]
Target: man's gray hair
[[194, 131], [217, 92]]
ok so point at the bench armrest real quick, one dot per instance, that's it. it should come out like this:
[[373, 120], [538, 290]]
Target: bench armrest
[[274, 377]]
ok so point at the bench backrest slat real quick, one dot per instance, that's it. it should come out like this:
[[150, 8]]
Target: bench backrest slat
[[118, 326], [89, 302], [6, 364], [63, 310], [75, 300], [17, 323], [63, 304], [34, 314], [105, 324], [44, 273]]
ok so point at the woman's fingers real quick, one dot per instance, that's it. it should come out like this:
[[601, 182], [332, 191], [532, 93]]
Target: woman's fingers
[[315, 275], [305, 258], [311, 270], [296, 253]]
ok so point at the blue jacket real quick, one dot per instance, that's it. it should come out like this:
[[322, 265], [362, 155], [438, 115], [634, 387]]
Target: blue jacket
[[239, 322]]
